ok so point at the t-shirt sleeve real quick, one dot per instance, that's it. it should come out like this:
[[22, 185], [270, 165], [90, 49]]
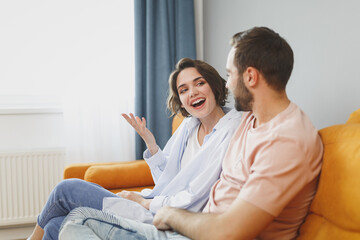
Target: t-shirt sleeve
[[279, 172]]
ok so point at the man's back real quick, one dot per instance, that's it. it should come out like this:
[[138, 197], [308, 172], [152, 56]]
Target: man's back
[[273, 167]]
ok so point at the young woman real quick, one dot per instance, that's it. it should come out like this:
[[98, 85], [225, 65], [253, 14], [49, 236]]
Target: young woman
[[183, 171]]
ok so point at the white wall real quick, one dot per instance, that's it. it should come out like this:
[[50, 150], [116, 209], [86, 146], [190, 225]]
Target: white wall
[[324, 35]]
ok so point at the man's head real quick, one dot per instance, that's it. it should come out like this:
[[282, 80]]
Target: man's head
[[263, 50]]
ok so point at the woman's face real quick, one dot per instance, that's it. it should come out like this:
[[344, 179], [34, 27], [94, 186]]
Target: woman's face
[[195, 93]]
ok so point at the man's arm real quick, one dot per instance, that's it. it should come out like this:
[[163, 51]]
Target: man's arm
[[242, 221]]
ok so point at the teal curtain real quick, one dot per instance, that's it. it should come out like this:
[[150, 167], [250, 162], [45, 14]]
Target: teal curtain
[[164, 33]]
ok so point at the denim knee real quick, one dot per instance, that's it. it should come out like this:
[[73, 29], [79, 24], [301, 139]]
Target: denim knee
[[70, 183], [54, 205], [70, 194]]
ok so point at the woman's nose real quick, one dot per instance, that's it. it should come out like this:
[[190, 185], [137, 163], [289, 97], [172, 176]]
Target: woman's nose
[[193, 92]]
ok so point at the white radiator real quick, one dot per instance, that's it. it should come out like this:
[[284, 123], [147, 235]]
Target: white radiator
[[26, 179]]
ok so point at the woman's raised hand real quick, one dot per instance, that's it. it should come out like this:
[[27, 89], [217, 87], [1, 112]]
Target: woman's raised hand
[[140, 127]]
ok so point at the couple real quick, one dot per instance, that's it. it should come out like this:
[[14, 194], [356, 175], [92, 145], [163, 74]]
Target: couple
[[269, 171]]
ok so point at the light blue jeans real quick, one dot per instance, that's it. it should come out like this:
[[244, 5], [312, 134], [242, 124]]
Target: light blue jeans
[[66, 196], [88, 223]]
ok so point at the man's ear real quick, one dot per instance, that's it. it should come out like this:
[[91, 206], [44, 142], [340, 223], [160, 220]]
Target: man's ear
[[251, 76]]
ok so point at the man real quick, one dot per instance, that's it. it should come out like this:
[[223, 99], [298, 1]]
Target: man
[[270, 170]]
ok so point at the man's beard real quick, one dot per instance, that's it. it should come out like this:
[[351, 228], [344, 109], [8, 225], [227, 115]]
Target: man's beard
[[243, 97]]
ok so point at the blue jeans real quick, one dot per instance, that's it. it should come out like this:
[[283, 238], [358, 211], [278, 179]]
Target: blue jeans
[[88, 223], [66, 196]]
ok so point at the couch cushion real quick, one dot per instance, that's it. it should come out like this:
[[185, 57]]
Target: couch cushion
[[335, 210], [122, 175]]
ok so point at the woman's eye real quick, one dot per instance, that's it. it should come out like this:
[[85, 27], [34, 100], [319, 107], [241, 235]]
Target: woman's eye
[[183, 90], [200, 83]]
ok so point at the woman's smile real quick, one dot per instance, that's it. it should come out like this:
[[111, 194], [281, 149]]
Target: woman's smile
[[198, 103]]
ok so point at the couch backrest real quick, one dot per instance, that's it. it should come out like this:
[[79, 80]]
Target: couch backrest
[[354, 117], [177, 119], [335, 210]]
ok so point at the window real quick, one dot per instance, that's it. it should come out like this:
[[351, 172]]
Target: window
[[50, 47]]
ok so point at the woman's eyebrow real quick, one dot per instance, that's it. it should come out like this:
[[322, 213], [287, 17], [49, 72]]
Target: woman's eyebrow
[[198, 78], [194, 80]]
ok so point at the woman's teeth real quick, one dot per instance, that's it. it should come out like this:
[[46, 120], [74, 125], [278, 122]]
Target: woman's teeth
[[198, 102]]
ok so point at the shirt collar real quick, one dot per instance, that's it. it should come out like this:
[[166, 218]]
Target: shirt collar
[[229, 114]]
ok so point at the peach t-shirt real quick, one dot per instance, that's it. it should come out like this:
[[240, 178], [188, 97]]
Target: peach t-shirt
[[274, 167]]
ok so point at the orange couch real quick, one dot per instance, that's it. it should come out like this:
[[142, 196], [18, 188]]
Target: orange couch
[[335, 210], [117, 176]]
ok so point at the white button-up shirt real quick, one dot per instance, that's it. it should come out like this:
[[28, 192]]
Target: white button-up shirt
[[186, 188]]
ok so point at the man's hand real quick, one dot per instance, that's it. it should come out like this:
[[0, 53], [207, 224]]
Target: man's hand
[[161, 217], [136, 198]]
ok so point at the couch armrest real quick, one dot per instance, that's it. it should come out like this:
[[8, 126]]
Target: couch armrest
[[120, 175]]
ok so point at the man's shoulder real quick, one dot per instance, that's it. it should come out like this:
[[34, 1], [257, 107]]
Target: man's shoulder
[[296, 131], [295, 120], [291, 129]]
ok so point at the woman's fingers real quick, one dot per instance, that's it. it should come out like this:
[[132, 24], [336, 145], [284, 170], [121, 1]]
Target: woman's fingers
[[144, 121], [127, 118], [139, 124], [132, 118], [138, 121]]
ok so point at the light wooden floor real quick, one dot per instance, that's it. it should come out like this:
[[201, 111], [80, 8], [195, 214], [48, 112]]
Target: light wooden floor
[[16, 233]]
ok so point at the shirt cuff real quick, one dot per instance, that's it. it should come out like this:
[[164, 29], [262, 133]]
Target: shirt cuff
[[156, 204], [153, 160]]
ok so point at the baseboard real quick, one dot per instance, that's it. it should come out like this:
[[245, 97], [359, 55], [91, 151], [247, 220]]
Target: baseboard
[[16, 232]]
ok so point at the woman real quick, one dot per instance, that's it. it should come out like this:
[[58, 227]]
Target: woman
[[183, 171]]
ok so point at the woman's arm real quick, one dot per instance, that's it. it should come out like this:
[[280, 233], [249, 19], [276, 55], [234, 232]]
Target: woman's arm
[[169, 155]]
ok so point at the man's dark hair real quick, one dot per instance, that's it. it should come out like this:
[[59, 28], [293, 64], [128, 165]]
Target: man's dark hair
[[267, 51]]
